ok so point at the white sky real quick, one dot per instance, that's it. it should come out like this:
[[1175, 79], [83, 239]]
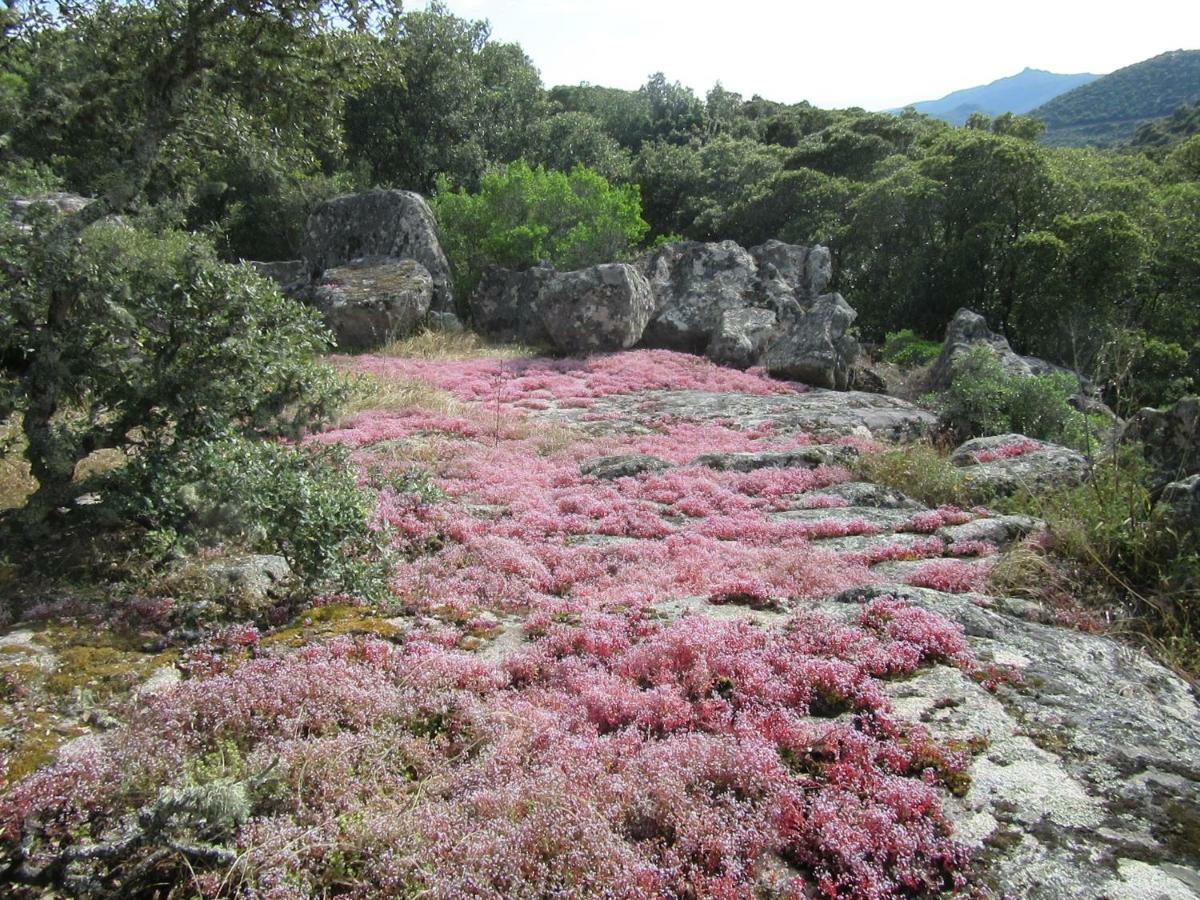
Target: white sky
[[871, 53]]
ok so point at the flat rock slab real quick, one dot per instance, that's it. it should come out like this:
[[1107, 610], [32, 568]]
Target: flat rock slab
[[1089, 785], [835, 413]]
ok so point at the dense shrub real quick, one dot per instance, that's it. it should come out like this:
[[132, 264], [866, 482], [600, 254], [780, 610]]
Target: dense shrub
[[523, 216], [984, 399], [908, 351], [122, 337], [1118, 543], [302, 502]]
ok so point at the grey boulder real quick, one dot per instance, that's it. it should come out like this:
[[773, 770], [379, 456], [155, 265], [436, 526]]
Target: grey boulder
[[1044, 466], [506, 304], [740, 337], [815, 348], [372, 301], [969, 329], [379, 223], [597, 309], [1170, 439], [693, 284]]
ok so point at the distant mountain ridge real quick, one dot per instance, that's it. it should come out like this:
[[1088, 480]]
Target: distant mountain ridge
[[1018, 93], [1110, 109]]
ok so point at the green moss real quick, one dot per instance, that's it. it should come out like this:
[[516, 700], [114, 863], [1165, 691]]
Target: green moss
[[335, 620]]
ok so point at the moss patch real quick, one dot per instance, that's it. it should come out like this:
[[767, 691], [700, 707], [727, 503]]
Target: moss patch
[[335, 620]]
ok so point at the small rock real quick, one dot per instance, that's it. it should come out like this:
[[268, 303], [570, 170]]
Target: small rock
[[803, 458], [1046, 466], [627, 465]]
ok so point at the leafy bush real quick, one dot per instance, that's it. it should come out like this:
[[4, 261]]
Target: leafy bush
[[1141, 370], [522, 216], [118, 336], [303, 502], [984, 399], [908, 351]]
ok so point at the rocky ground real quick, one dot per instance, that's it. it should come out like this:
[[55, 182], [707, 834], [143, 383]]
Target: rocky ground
[[653, 638]]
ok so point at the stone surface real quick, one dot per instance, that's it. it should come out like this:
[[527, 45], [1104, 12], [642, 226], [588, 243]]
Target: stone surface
[[1089, 785], [601, 308], [1181, 500], [832, 413], [626, 465], [370, 302], [1170, 439], [389, 223], [969, 329], [814, 348], [285, 273], [741, 336], [693, 284], [60, 203], [807, 271], [803, 458], [1048, 466], [505, 304], [255, 579]]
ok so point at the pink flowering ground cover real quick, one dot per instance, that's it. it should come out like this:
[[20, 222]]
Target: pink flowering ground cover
[[613, 751]]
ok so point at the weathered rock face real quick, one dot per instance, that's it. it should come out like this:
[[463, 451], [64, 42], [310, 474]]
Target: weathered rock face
[[740, 337], [596, 309], [814, 348], [1004, 463], [826, 413], [380, 223], [807, 270], [697, 286], [372, 301], [624, 465], [968, 329], [693, 284], [60, 204], [1089, 783], [1169, 437], [505, 304], [1182, 502]]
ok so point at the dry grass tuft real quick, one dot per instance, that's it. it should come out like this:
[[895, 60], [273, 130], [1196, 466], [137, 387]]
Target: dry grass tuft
[[456, 345], [369, 393]]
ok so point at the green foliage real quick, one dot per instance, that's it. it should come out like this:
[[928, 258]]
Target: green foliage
[[446, 100], [983, 399], [303, 502], [908, 351], [919, 471], [1118, 541], [1140, 370], [110, 85], [123, 337], [523, 216]]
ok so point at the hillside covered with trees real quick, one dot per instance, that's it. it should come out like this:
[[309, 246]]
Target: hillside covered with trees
[[1111, 108]]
